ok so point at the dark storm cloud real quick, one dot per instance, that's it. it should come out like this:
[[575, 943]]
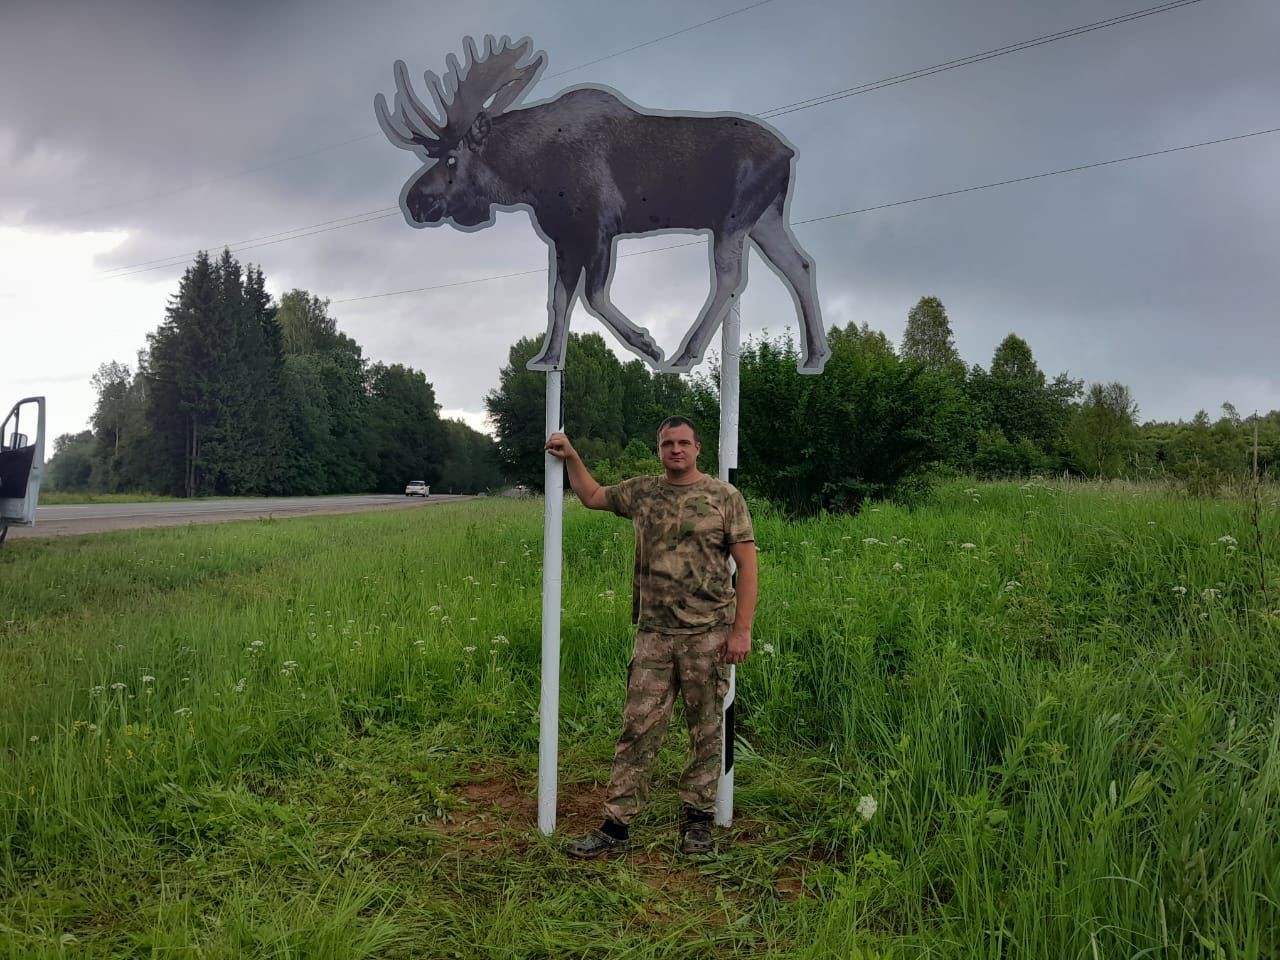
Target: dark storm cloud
[[1157, 273]]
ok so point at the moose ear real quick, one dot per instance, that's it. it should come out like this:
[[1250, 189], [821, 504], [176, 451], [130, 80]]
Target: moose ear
[[479, 131]]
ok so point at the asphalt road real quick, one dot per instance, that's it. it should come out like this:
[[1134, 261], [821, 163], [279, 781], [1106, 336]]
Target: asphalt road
[[79, 518]]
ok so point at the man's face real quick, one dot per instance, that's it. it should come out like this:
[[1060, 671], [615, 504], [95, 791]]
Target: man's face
[[677, 448]]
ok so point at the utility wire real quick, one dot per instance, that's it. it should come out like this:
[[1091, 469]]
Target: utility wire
[[369, 136], [974, 58], [850, 213], [176, 259], [129, 269], [649, 43]]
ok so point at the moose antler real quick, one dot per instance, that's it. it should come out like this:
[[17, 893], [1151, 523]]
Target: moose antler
[[490, 84]]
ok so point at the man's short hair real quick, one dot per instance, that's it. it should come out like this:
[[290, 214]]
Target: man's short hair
[[679, 422]]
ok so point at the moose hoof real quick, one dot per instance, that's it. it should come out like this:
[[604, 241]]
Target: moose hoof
[[649, 347], [545, 360], [681, 364], [813, 363]]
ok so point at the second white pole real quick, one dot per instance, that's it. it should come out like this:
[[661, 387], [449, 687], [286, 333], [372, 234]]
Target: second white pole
[[552, 541], [731, 336]]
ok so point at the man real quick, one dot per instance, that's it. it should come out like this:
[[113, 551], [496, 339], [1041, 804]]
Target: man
[[692, 625]]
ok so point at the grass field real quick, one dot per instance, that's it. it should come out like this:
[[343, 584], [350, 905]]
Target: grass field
[[318, 738]]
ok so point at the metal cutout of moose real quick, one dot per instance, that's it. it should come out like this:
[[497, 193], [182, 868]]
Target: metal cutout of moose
[[591, 168]]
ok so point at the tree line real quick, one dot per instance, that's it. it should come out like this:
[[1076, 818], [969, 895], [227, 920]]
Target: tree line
[[238, 394], [879, 422]]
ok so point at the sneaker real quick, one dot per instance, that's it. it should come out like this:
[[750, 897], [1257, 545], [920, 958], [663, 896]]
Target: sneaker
[[695, 837], [597, 843]]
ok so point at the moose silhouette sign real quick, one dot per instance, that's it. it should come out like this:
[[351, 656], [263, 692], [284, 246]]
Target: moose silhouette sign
[[591, 168]]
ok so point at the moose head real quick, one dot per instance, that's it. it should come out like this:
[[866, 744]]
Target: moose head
[[591, 168]]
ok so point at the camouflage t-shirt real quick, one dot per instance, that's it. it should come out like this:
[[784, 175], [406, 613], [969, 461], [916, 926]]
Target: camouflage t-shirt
[[682, 582]]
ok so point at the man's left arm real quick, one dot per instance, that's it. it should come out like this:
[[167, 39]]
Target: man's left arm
[[738, 643]]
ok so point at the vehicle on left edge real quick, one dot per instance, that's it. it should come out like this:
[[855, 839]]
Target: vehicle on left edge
[[21, 463]]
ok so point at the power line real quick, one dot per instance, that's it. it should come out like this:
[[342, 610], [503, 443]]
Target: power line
[[369, 136], [668, 36], [1041, 176], [183, 257], [920, 73], [974, 58], [850, 213], [253, 243]]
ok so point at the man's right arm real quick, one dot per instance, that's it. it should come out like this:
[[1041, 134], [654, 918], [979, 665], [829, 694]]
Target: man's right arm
[[584, 485]]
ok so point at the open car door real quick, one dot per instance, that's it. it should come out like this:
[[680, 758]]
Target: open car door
[[21, 463]]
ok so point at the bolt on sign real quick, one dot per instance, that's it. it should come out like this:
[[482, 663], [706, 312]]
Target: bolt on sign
[[592, 168]]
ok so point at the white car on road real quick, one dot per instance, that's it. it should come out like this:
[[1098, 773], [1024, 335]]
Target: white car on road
[[417, 488]]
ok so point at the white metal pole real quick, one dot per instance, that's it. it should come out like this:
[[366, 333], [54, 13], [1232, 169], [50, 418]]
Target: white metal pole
[[552, 530], [731, 336]]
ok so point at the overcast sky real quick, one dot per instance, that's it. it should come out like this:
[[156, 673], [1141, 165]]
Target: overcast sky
[[136, 131]]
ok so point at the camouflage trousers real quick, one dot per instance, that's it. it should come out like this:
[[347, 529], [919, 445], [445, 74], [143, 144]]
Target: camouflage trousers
[[662, 664]]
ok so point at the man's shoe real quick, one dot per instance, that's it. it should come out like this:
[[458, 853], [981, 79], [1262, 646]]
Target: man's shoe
[[595, 844], [695, 838]]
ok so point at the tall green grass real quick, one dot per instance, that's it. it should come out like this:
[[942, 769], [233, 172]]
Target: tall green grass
[[270, 738]]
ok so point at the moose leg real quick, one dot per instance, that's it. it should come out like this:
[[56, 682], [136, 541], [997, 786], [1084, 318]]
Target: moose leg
[[565, 273], [795, 267], [726, 283], [634, 338]]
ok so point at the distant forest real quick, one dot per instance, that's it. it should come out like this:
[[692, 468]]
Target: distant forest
[[238, 394]]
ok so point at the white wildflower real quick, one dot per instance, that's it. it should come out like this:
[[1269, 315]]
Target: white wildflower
[[445, 618], [256, 643], [897, 566], [148, 678], [239, 687], [1227, 539], [1209, 593], [867, 807], [117, 685], [434, 608], [767, 648], [468, 649], [870, 540], [182, 712], [95, 690], [1179, 590], [500, 639], [289, 665], [968, 546], [35, 739], [418, 643], [1012, 585]]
